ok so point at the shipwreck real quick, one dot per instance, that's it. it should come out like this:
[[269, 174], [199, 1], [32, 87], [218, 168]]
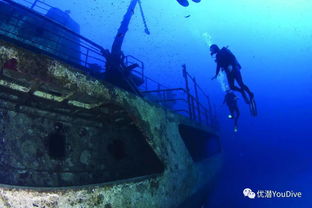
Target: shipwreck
[[80, 126]]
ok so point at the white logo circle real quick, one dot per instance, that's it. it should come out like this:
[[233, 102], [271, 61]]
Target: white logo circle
[[248, 192], [252, 195]]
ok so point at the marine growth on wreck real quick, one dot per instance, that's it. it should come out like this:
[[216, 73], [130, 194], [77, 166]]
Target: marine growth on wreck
[[73, 137]]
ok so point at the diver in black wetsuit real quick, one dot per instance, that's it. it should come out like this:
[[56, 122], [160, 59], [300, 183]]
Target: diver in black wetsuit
[[230, 99], [185, 3], [227, 61]]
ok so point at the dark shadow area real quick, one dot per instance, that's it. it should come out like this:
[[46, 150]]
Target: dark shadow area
[[200, 144], [75, 155], [117, 149], [56, 146]]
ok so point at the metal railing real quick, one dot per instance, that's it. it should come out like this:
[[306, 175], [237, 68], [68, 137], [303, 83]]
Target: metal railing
[[36, 5], [139, 70], [197, 111], [183, 100], [31, 29], [37, 30]]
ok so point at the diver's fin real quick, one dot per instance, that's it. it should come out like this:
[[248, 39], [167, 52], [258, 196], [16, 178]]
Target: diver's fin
[[183, 3], [246, 99], [253, 107]]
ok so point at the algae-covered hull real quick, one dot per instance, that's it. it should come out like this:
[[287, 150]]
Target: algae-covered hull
[[68, 140]]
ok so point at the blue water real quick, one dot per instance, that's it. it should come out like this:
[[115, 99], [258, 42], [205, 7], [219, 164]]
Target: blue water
[[272, 39]]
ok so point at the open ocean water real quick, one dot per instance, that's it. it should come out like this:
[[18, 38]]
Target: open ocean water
[[272, 40]]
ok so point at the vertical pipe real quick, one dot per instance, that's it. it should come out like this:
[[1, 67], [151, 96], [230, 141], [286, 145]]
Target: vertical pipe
[[34, 4], [193, 108], [187, 90], [197, 100], [87, 55]]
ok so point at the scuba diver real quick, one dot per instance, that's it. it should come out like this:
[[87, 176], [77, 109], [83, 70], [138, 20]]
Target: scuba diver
[[227, 61], [185, 3], [230, 99]]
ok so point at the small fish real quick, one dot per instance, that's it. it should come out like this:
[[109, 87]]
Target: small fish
[[187, 16]]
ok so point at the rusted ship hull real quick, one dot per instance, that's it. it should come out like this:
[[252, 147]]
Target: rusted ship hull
[[71, 141]]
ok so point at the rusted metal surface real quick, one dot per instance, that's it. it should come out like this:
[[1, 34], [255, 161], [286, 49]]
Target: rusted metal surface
[[180, 178]]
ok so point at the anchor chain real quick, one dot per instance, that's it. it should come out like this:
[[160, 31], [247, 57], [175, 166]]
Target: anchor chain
[[146, 30]]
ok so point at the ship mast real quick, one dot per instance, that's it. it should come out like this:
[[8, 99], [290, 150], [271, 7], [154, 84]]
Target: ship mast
[[115, 65], [119, 38]]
